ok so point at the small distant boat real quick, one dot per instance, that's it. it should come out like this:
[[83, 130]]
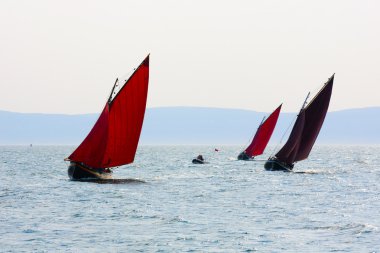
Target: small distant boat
[[262, 136], [305, 131], [199, 160], [114, 138]]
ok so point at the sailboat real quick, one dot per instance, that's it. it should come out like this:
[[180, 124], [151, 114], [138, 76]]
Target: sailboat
[[305, 131], [262, 136], [114, 138]]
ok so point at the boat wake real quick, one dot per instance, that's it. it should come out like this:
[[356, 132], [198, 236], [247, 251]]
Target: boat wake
[[359, 161], [355, 228], [114, 181], [307, 172]]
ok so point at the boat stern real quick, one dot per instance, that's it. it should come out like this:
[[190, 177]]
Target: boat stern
[[78, 171], [274, 165]]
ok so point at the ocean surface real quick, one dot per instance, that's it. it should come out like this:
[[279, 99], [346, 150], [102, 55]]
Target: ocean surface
[[332, 203]]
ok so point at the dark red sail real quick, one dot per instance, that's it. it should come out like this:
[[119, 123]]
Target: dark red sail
[[307, 126], [315, 113], [114, 138], [263, 134], [288, 152]]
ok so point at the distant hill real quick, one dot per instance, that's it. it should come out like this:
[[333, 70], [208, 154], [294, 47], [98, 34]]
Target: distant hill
[[189, 125]]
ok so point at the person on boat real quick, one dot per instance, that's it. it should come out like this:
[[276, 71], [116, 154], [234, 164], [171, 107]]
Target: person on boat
[[200, 158]]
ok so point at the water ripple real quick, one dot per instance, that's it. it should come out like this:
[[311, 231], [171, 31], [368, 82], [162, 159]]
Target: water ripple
[[163, 203]]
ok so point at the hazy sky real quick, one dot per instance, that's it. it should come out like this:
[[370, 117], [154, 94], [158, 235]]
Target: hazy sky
[[63, 56]]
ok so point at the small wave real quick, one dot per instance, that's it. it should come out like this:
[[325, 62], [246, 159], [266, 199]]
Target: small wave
[[178, 219], [250, 250], [190, 176], [362, 161], [78, 215], [368, 228], [185, 239], [29, 231], [138, 216], [308, 172], [357, 228], [315, 171]]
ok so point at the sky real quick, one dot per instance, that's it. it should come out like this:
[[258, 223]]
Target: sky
[[64, 56]]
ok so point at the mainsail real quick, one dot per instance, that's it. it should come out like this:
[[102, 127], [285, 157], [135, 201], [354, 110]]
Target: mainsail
[[263, 134], [307, 126], [114, 138]]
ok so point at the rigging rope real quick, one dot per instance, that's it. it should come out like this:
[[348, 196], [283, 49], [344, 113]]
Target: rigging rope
[[282, 138]]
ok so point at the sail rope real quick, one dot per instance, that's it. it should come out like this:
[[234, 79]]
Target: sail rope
[[282, 138]]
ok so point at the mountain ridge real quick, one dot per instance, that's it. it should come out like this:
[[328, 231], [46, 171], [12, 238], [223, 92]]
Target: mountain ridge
[[188, 125]]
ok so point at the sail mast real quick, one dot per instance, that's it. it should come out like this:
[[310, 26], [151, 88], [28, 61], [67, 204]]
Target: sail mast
[[113, 88], [305, 102], [261, 122]]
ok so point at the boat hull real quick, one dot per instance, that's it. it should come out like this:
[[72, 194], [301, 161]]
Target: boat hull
[[197, 161], [77, 171], [275, 165], [244, 156]]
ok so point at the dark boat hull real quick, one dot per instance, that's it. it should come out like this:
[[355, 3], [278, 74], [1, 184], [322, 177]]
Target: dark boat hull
[[197, 161], [80, 172], [244, 156], [275, 165]]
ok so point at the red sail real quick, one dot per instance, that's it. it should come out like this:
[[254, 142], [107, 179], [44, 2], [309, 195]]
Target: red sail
[[263, 134], [113, 139], [91, 150], [307, 127]]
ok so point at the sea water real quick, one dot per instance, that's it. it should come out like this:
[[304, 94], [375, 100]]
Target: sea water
[[332, 203]]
